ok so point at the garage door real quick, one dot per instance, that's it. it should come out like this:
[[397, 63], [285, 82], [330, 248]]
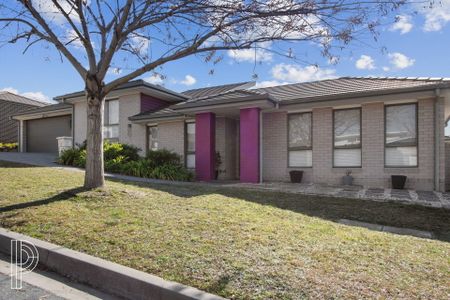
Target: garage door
[[41, 134]]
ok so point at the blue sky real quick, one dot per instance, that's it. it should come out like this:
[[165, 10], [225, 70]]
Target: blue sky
[[417, 45]]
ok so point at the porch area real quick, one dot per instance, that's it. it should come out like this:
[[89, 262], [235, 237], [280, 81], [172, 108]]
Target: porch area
[[410, 197]]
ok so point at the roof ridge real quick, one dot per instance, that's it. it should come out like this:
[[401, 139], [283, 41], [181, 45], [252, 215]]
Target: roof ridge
[[303, 82], [410, 78], [220, 85], [218, 94]]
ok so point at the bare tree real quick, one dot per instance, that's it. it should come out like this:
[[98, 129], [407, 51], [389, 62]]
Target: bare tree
[[95, 35]]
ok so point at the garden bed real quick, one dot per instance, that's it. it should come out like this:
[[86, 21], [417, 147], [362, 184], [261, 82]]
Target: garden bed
[[124, 159]]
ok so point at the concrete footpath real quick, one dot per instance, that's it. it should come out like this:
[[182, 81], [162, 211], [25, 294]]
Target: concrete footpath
[[44, 285]]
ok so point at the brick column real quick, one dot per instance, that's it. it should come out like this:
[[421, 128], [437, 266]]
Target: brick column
[[323, 146], [205, 146], [249, 145], [372, 132]]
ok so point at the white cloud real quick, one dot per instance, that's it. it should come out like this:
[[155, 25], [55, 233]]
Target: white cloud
[[36, 96], [72, 38], [140, 43], [39, 96], [114, 71], [188, 80], [51, 13], [365, 62], [386, 69], [400, 61], [155, 79], [402, 24], [437, 16], [252, 55], [293, 73]]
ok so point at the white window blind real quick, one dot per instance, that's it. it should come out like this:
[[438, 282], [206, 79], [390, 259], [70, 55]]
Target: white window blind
[[111, 120], [401, 135], [300, 140], [190, 145], [347, 138], [153, 138]]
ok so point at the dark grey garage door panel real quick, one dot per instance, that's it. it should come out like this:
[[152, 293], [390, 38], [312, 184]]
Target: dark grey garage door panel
[[41, 134]]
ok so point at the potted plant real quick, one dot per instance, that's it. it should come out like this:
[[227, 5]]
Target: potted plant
[[218, 163], [296, 176], [398, 181], [348, 178]]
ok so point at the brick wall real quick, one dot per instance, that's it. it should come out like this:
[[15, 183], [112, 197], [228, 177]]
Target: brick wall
[[9, 129], [275, 154], [79, 121], [171, 136], [372, 173]]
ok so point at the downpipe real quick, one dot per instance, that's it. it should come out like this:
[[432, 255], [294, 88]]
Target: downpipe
[[437, 141]]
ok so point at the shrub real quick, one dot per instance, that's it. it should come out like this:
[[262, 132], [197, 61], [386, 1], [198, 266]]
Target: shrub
[[111, 150], [115, 165], [163, 157], [69, 156], [80, 161], [8, 147], [124, 159], [171, 172], [130, 151], [139, 168]]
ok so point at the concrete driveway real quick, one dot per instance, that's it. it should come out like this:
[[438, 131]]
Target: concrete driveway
[[37, 159]]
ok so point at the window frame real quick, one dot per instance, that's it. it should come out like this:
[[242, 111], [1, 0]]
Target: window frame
[[301, 148], [386, 106], [106, 118], [148, 136], [347, 147], [186, 151]]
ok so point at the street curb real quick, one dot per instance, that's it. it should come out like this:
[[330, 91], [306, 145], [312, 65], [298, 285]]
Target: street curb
[[103, 275]]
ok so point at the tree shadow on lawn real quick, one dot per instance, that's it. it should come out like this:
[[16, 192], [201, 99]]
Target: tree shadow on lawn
[[16, 165], [435, 220], [65, 195]]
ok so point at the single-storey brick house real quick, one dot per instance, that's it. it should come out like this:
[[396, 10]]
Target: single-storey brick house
[[12, 104], [375, 127]]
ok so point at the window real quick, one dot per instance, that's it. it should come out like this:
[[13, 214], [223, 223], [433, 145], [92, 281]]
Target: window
[[300, 140], [190, 145], [153, 138], [347, 138], [401, 135], [111, 122]]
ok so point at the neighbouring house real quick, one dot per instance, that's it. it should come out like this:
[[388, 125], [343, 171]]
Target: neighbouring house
[[374, 127], [12, 104]]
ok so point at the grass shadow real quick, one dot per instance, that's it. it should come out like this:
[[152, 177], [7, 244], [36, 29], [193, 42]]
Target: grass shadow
[[435, 220], [65, 195], [9, 164]]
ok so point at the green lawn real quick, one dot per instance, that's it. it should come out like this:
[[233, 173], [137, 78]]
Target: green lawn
[[239, 244]]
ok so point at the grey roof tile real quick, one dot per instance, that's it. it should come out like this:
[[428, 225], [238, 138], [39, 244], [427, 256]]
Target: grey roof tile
[[218, 89], [301, 92], [44, 109], [7, 96], [347, 86]]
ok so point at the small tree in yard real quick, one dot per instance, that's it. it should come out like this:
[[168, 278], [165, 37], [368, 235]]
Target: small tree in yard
[[96, 36]]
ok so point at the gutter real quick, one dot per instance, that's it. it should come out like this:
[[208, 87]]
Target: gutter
[[260, 146], [437, 141]]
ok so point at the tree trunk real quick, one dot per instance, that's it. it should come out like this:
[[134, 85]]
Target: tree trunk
[[94, 177]]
